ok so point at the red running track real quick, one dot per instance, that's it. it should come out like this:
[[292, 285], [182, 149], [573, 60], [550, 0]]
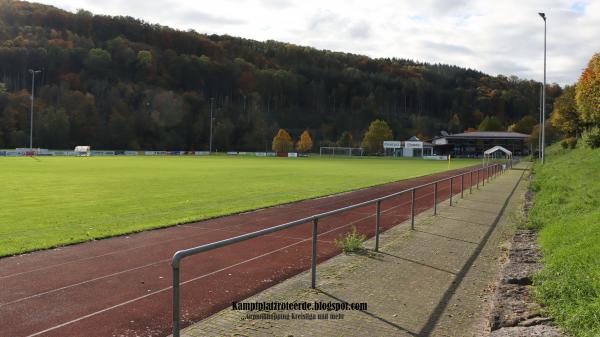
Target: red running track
[[122, 286]]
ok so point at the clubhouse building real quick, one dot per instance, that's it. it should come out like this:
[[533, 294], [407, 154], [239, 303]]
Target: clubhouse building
[[473, 144]]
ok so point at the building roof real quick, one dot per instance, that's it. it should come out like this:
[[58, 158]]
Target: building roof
[[497, 148], [487, 134]]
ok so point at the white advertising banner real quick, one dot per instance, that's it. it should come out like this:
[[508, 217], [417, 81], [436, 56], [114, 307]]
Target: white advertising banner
[[413, 145], [436, 157], [392, 144]]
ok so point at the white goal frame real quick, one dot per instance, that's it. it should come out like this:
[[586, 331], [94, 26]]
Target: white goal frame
[[341, 151]]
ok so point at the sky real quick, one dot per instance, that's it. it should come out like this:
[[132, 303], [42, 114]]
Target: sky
[[497, 37]]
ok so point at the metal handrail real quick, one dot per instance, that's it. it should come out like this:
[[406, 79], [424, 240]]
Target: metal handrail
[[491, 170]]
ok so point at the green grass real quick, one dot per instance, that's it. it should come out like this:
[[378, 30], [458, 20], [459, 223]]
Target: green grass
[[51, 201], [351, 242], [567, 209]]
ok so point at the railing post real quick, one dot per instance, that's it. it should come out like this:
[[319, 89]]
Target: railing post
[[483, 180], [462, 185], [175, 301], [313, 266], [435, 198], [412, 210], [471, 182], [377, 221], [451, 192], [478, 170]]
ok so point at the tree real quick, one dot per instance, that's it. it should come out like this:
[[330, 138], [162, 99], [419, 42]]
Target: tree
[[98, 62], [587, 92], [305, 143], [551, 134], [222, 134], [345, 139], [282, 142], [378, 132], [525, 125], [454, 125], [144, 64], [565, 116], [490, 123], [53, 129]]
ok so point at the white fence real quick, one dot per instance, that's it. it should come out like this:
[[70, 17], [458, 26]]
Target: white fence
[[44, 152]]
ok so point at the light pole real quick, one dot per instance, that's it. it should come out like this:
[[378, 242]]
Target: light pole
[[544, 92], [33, 73], [540, 128], [212, 99]]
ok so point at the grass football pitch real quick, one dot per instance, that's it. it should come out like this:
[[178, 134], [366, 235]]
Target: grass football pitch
[[51, 201]]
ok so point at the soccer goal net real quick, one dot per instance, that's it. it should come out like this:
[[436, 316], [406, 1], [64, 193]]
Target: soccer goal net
[[333, 151]]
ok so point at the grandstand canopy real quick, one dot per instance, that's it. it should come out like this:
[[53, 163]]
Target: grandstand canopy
[[496, 149]]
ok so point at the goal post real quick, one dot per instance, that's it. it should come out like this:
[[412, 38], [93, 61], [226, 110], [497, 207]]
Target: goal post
[[339, 151]]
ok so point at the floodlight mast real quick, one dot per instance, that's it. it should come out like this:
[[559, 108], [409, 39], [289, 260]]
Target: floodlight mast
[[540, 128], [543, 132]]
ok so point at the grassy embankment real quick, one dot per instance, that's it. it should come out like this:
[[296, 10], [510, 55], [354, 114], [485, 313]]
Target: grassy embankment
[[567, 212]]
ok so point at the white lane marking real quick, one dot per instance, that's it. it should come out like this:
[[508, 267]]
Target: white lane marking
[[269, 235]]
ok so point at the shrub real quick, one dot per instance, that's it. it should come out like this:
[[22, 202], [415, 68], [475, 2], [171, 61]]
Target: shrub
[[591, 137], [569, 143], [351, 242]]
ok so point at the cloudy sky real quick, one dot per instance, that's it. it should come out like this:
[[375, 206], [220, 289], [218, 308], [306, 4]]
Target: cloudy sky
[[497, 37]]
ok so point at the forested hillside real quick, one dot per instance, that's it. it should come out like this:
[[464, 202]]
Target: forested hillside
[[121, 83]]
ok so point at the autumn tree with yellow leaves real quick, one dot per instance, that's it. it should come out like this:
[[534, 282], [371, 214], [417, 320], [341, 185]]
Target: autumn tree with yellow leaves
[[282, 142], [305, 142]]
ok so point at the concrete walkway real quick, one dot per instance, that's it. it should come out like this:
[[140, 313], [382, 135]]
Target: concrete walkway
[[434, 281]]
